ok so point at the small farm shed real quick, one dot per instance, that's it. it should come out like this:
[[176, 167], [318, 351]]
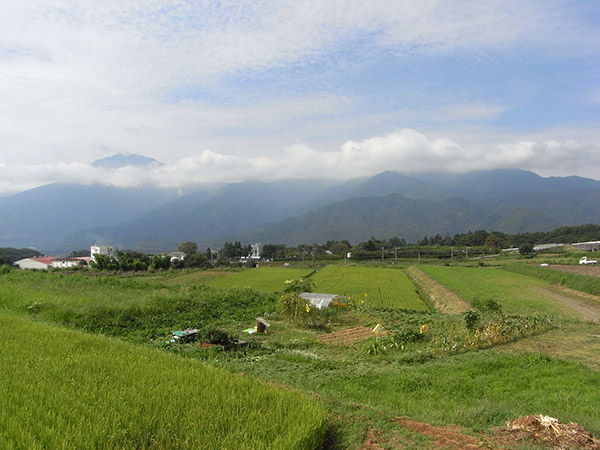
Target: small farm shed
[[320, 300]]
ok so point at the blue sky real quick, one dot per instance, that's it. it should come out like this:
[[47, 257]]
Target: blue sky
[[226, 91]]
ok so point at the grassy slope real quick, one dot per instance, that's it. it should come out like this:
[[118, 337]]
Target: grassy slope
[[265, 279], [65, 389], [518, 294], [376, 287]]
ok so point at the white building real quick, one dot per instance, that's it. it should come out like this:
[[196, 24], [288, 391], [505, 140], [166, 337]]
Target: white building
[[40, 263], [591, 246], [102, 250], [64, 263], [256, 248], [177, 256]]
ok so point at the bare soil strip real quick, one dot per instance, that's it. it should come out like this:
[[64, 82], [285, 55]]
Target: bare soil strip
[[445, 437], [348, 336], [586, 311], [443, 299], [590, 270]]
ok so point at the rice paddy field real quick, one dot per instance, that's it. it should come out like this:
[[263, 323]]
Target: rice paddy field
[[265, 279], [374, 287], [67, 389]]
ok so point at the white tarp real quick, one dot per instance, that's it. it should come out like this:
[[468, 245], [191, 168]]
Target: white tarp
[[319, 300]]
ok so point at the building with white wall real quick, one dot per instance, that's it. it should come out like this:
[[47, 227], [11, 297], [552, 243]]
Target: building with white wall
[[39, 263], [107, 250]]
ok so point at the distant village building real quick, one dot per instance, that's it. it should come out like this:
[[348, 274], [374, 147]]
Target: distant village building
[[256, 249], [102, 250], [39, 263], [177, 256], [542, 247], [591, 246], [65, 263]]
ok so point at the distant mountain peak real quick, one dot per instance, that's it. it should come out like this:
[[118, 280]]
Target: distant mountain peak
[[120, 160]]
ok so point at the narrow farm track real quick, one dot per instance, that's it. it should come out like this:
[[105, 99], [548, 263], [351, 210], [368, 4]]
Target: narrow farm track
[[567, 297], [443, 299]]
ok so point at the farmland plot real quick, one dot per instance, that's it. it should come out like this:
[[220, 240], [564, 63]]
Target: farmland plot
[[518, 294], [65, 389], [380, 288], [266, 279]]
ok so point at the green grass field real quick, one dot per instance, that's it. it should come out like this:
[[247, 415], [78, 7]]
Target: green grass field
[[65, 389], [138, 309], [380, 288], [265, 279], [518, 294], [100, 392]]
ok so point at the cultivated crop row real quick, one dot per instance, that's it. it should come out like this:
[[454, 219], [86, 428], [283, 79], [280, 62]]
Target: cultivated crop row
[[380, 288]]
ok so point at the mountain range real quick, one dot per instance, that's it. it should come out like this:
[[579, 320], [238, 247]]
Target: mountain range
[[58, 218]]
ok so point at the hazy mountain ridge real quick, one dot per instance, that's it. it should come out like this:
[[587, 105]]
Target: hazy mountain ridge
[[395, 215], [64, 217], [39, 216]]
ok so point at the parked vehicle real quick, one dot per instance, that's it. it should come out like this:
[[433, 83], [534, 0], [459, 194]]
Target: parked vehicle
[[585, 260]]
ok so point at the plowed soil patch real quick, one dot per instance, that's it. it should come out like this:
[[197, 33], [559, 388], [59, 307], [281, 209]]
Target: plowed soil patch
[[443, 437], [348, 336], [444, 300], [590, 270]]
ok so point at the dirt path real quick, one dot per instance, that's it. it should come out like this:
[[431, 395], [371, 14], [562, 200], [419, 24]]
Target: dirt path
[[567, 297], [443, 299]]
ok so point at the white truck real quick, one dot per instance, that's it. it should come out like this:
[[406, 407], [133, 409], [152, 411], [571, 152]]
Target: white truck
[[585, 260]]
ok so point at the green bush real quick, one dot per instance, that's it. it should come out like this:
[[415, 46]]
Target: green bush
[[471, 319]]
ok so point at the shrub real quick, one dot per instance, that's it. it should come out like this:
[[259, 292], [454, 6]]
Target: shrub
[[299, 286], [487, 305], [471, 319]]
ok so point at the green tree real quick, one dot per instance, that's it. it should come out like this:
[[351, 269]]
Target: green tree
[[526, 249], [160, 262], [493, 241], [188, 247], [196, 260]]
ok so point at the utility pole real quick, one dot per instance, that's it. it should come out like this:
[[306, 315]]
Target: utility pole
[[419, 258], [382, 253], [452, 254], [395, 255]]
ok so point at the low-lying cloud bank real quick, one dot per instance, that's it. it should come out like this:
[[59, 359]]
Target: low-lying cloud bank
[[404, 150]]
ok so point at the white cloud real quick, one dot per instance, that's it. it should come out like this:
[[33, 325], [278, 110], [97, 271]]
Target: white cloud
[[404, 150], [81, 80]]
